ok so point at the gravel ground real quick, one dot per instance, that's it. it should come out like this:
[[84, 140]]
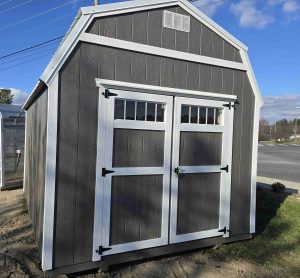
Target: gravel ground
[[19, 255]]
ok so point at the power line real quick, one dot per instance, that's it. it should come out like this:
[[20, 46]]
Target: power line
[[29, 55], [28, 52], [36, 28], [36, 58], [31, 47], [37, 15], [5, 2], [14, 7]]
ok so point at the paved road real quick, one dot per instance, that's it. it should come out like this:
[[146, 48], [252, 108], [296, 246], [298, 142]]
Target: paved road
[[279, 161]]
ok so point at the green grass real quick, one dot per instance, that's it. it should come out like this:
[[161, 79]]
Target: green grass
[[277, 242]]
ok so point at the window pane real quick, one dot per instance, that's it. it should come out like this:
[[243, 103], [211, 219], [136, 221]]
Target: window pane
[[160, 112], [194, 115], [202, 119], [185, 114], [218, 116], [151, 111], [210, 116], [140, 111], [119, 109], [130, 109]]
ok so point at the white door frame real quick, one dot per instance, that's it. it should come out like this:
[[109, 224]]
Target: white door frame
[[226, 127], [104, 160]]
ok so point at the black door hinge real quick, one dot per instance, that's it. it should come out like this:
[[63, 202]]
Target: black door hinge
[[107, 93], [230, 105], [105, 172], [225, 168], [102, 249], [224, 230]]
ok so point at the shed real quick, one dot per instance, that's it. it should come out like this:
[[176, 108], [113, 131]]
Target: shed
[[12, 128], [141, 137]]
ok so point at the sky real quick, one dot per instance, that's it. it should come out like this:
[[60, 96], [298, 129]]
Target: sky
[[270, 28]]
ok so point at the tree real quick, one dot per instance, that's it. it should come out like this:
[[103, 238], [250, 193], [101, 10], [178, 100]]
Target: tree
[[264, 130], [284, 129], [6, 96]]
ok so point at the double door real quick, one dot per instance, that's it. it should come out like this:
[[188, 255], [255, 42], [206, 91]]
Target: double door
[[164, 171]]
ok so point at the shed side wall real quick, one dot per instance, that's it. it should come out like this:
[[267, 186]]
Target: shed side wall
[[78, 101], [35, 159]]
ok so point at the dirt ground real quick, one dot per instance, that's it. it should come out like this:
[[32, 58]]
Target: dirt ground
[[19, 255]]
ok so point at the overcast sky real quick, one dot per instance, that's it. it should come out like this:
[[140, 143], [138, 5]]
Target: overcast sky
[[270, 28]]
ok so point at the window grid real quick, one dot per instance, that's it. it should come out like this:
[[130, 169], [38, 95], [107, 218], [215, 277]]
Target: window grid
[[217, 115], [152, 116]]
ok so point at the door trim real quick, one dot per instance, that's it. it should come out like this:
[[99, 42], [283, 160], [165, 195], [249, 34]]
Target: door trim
[[225, 179], [104, 160]]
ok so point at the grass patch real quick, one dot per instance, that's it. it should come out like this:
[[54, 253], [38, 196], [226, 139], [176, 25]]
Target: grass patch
[[277, 242]]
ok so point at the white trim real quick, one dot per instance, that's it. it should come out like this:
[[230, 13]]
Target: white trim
[[251, 76], [1, 152], [254, 166], [158, 51], [120, 85], [144, 125], [49, 196], [64, 49], [133, 6], [105, 150], [197, 235], [99, 192], [225, 179], [257, 105], [25, 154]]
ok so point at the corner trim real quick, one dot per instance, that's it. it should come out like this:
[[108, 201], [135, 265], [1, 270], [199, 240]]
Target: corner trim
[[120, 85], [50, 175], [158, 51]]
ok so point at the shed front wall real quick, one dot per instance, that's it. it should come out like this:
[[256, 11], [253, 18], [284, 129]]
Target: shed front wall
[[78, 120], [35, 159]]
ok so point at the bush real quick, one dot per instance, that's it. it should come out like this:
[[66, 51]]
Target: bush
[[278, 187]]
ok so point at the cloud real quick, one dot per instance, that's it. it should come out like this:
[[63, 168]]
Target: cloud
[[19, 96], [290, 6], [209, 7], [279, 107], [249, 16]]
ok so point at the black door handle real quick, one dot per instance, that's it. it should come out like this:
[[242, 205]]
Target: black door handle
[[177, 171]]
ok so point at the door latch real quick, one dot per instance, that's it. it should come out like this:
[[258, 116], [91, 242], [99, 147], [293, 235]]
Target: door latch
[[107, 93], [105, 172], [102, 249], [225, 168], [177, 171]]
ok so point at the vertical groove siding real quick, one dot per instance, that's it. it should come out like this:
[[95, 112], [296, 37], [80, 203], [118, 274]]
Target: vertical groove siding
[[35, 159], [146, 27], [78, 116]]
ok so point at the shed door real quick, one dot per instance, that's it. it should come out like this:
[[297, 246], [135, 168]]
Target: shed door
[[136, 170], [201, 179]]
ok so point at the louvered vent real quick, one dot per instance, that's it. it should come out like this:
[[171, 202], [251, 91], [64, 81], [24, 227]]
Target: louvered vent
[[176, 21]]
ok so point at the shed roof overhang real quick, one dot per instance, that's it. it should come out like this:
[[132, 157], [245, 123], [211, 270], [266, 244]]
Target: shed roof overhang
[[86, 15]]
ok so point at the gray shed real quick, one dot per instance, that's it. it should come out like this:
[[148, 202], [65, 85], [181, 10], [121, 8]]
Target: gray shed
[[12, 128], [141, 138]]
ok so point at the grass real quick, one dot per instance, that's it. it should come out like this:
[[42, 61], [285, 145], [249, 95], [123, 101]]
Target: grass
[[277, 243]]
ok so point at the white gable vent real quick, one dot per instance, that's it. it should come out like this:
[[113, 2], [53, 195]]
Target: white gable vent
[[176, 21]]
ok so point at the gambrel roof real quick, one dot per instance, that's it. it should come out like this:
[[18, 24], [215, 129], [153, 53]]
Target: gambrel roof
[[87, 14]]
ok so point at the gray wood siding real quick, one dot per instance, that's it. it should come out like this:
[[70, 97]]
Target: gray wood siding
[[146, 27], [36, 133], [77, 139], [138, 148], [198, 202], [200, 148], [136, 208], [77, 135]]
